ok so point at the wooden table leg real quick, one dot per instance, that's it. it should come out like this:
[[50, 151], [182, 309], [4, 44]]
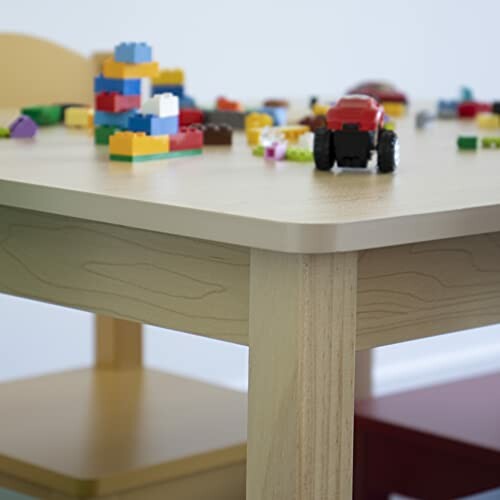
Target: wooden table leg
[[364, 379], [118, 343], [301, 394]]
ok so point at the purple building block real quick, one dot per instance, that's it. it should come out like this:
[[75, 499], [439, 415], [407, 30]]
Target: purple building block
[[276, 151], [22, 128]]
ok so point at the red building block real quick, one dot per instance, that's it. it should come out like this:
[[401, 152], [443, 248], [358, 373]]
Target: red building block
[[116, 103], [469, 109], [223, 104], [186, 138], [190, 116]]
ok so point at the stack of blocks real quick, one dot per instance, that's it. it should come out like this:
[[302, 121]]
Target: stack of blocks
[[118, 89], [172, 81]]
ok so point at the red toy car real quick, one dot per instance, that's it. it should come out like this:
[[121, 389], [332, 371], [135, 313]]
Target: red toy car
[[354, 130], [382, 92]]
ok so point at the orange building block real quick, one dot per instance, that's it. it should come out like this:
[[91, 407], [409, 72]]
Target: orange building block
[[223, 104], [138, 144], [113, 69]]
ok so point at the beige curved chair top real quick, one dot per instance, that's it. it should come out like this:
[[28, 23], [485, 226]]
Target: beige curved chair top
[[36, 71]]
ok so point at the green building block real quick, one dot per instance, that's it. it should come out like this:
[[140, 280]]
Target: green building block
[[4, 132], [258, 150], [160, 156], [490, 142], [467, 142], [44, 115], [299, 154], [103, 133]]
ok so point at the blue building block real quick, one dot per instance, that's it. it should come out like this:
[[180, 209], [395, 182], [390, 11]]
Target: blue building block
[[133, 53], [154, 125], [466, 94], [187, 102], [447, 108], [113, 119], [279, 115], [127, 86], [177, 90]]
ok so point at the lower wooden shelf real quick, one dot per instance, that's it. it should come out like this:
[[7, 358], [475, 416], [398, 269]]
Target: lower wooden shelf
[[122, 434]]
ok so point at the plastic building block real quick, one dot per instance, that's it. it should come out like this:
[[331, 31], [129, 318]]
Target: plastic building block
[[258, 120], [103, 133], [490, 142], [279, 115], [131, 86], [77, 117], [235, 119], [159, 156], [394, 109], [138, 144], [253, 136], [258, 150], [466, 94], [313, 122], [133, 53], [223, 104], [276, 103], [189, 116], [4, 133], [292, 132], [469, 109], [161, 105], [495, 107], [177, 90], [154, 125], [320, 109], [216, 135], [275, 151], [115, 69], [174, 76], [390, 125], [113, 102], [23, 127], [299, 154], [44, 115], [114, 119], [186, 101], [467, 143], [423, 118], [306, 141], [186, 138], [488, 121]]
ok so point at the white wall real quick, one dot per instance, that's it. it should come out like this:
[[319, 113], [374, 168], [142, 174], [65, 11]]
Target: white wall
[[249, 50]]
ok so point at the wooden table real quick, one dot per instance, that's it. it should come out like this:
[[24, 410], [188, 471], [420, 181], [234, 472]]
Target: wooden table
[[305, 267]]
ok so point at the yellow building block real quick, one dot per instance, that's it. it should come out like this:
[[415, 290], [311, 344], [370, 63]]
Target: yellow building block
[[173, 76], [253, 136], [487, 121], [292, 132], [113, 69], [258, 120], [138, 144], [75, 116], [320, 109], [394, 109]]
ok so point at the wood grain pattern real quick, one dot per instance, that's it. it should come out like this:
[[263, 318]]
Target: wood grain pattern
[[413, 291], [93, 433], [184, 284], [118, 343], [301, 394]]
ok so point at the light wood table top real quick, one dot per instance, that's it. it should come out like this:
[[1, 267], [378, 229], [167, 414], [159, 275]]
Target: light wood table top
[[227, 195]]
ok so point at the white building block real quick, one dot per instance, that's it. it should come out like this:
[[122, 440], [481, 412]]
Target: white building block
[[161, 105]]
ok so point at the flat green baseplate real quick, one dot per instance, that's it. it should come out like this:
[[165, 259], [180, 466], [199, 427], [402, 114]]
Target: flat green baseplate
[[160, 156]]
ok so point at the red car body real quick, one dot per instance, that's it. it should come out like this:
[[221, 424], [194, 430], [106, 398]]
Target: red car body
[[382, 92], [361, 111]]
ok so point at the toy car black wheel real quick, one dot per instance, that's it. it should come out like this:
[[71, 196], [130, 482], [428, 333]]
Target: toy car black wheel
[[387, 151], [324, 152]]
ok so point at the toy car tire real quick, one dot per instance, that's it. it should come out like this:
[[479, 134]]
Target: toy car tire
[[324, 152], [387, 151]]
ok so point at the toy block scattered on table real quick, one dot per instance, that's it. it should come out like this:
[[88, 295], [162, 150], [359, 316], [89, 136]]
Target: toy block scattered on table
[[490, 142], [394, 109], [78, 117], [114, 69], [177, 90], [174, 76], [488, 121], [190, 116], [275, 151], [4, 133], [44, 115], [258, 120], [279, 115], [469, 109], [447, 108], [253, 136], [320, 109], [424, 118], [133, 53], [154, 125], [299, 154], [161, 105], [103, 133], [114, 119], [23, 127], [113, 102], [467, 143], [187, 138], [187, 102], [216, 135], [130, 86], [495, 107], [235, 119], [313, 122], [138, 144], [292, 132], [223, 104]]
